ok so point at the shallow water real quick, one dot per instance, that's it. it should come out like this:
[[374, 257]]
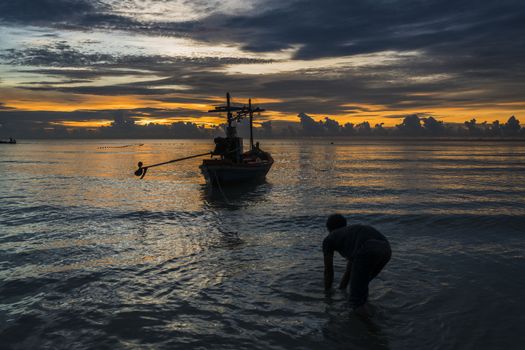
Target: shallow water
[[92, 257]]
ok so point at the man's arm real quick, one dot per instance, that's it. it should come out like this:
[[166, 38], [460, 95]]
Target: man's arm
[[328, 270], [346, 275]]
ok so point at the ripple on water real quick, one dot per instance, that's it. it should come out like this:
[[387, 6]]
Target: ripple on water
[[92, 258]]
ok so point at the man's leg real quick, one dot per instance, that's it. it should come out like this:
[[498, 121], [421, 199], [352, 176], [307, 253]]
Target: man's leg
[[368, 262], [359, 278], [382, 254]]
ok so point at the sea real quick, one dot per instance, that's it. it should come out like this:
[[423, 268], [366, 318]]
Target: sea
[[92, 257]]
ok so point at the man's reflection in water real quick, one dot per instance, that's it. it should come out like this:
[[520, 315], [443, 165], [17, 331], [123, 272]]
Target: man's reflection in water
[[351, 331]]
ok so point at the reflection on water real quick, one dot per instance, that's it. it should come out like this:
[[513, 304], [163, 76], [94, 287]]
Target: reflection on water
[[235, 197], [92, 257]]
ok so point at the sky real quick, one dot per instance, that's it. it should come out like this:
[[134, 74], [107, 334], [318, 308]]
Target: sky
[[79, 63]]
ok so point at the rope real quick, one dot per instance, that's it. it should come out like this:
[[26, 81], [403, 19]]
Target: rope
[[176, 160], [143, 169], [220, 188]]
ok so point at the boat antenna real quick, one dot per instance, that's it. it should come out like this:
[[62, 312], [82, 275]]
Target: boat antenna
[[250, 111]]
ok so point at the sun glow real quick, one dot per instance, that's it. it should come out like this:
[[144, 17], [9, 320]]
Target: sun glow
[[89, 124], [201, 121], [195, 110], [62, 102]]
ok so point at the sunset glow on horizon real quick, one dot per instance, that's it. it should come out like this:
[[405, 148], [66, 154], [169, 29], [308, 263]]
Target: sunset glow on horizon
[[375, 114]]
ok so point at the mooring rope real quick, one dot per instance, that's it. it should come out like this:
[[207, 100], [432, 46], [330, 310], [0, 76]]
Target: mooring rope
[[220, 188]]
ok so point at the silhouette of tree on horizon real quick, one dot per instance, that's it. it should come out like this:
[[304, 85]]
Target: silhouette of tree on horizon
[[414, 125]]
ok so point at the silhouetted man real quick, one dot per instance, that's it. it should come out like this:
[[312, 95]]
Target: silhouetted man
[[367, 252]]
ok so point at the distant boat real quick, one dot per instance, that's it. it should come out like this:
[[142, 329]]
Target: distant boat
[[11, 141], [235, 166]]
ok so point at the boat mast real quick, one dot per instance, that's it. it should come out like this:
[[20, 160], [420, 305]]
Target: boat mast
[[228, 110], [241, 112], [230, 130], [251, 122]]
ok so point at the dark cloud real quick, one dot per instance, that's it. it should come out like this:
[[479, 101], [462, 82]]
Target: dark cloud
[[16, 118], [85, 73], [339, 28], [3, 107], [322, 91], [476, 34], [46, 11], [321, 29], [61, 54], [402, 116], [79, 15]]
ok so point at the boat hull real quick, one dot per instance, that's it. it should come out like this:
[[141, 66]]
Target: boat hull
[[226, 173]]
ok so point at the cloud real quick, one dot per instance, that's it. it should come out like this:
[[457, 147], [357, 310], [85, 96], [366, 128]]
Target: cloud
[[339, 28], [3, 107], [459, 54], [85, 115], [401, 116], [122, 125], [61, 54], [146, 16], [46, 11], [318, 29]]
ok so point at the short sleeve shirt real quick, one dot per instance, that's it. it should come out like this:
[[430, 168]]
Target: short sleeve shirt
[[347, 240]]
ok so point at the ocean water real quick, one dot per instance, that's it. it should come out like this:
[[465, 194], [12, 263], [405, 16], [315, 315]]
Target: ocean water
[[93, 258]]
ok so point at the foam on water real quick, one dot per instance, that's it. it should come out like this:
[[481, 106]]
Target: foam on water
[[92, 257]]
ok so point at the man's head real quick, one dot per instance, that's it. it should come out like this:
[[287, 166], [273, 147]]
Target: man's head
[[335, 221]]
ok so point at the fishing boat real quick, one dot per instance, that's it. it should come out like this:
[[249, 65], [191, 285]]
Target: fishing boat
[[229, 163], [11, 141], [233, 165]]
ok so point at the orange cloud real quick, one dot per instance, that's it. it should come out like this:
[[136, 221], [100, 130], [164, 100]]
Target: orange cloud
[[206, 121], [25, 100], [90, 124]]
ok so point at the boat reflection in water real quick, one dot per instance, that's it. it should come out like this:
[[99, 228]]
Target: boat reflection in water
[[235, 197]]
